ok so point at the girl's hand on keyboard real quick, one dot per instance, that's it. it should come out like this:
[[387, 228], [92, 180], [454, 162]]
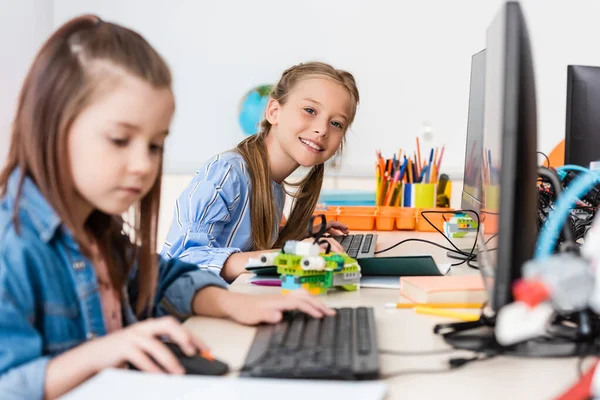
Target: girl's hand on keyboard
[[336, 247], [337, 228], [254, 309]]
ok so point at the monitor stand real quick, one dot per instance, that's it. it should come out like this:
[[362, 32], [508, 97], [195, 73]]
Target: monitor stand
[[479, 336], [458, 256]]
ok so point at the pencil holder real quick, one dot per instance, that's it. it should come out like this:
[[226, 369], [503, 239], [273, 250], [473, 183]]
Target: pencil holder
[[419, 195]]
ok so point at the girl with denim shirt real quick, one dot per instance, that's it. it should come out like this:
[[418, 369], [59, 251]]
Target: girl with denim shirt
[[232, 209], [75, 279]]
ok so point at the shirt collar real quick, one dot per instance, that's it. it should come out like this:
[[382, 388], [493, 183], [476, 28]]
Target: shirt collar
[[44, 219]]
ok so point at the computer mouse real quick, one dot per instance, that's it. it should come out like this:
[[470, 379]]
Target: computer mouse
[[198, 364]]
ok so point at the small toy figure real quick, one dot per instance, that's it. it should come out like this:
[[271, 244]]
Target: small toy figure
[[459, 225]]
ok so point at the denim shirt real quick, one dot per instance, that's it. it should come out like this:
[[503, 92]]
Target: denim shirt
[[211, 219], [49, 298]]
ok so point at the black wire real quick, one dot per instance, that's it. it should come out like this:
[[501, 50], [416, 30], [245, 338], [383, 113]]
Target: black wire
[[415, 371], [471, 265], [551, 177], [580, 362], [416, 353], [546, 157], [420, 240], [471, 254], [490, 238], [455, 363]]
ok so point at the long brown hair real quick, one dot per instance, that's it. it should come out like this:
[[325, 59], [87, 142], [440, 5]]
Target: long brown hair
[[254, 152], [61, 82]]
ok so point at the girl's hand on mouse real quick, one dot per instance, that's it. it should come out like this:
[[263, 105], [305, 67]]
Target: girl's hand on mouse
[[254, 309], [140, 345]]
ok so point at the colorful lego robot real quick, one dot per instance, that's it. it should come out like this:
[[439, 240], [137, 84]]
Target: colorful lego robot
[[302, 265], [459, 225]]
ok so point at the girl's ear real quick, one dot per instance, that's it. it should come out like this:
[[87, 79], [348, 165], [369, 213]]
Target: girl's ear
[[272, 111]]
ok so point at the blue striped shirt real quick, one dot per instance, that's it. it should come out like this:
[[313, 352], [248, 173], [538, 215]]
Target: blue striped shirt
[[211, 220]]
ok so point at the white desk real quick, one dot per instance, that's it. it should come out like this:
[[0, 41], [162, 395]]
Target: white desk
[[403, 330]]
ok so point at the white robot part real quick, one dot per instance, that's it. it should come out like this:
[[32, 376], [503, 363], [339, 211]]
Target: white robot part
[[590, 250], [568, 278], [268, 258], [312, 263], [517, 322], [306, 249]]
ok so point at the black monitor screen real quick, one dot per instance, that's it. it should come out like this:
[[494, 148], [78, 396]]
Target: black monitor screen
[[471, 196], [582, 135], [509, 155]]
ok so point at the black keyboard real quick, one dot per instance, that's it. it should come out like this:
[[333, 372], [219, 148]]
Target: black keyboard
[[358, 245], [343, 346]]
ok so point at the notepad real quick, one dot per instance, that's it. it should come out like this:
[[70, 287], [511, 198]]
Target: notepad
[[443, 289], [116, 384]]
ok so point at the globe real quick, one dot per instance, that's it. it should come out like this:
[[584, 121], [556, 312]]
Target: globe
[[252, 108]]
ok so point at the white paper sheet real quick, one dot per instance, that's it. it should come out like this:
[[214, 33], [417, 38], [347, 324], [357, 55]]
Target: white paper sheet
[[117, 384]]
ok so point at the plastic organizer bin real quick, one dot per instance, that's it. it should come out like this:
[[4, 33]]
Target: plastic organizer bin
[[407, 220], [386, 217], [437, 219], [357, 218], [366, 218], [330, 214], [490, 221]]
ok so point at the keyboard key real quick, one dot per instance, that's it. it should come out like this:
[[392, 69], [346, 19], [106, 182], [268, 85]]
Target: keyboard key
[[363, 335], [346, 241], [367, 243], [292, 341]]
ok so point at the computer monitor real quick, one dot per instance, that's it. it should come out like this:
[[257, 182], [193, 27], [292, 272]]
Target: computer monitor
[[471, 194], [509, 143], [509, 188], [582, 133]]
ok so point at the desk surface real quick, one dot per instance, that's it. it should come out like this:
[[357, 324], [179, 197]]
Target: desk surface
[[404, 330]]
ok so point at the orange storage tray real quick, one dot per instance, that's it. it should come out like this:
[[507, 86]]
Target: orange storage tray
[[386, 217], [490, 221], [357, 218], [434, 218], [407, 220], [330, 215]]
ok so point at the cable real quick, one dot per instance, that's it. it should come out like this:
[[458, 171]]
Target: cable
[[471, 254], [418, 240], [454, 363], [546, 157], [414, 372], [571, 167], [549, 175], [578, 187], [471, 265], [416, 353], [490, 238]]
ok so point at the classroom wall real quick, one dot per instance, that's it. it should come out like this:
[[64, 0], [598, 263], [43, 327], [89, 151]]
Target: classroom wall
[[24, 24], [411, 60]]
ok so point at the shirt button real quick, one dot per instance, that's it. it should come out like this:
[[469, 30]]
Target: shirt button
[[77, 265]]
